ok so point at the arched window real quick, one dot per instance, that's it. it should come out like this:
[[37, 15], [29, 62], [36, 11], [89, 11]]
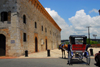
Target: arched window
[[24, 19], [4, 16], [45, 29], [35, 25], [50, 32], [42, 28], [24, 37]]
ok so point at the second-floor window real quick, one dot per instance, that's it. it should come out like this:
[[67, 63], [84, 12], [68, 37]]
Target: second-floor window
[[24, 37], [5, 16], [24, 19], [35, 25], [50, 32], [42, 28], [45, 29]]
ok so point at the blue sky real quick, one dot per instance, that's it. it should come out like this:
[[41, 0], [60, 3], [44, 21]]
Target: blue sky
[[73, 12]]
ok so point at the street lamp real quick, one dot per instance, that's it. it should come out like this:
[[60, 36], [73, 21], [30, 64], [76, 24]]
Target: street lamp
[[88, 33], [95, 36]]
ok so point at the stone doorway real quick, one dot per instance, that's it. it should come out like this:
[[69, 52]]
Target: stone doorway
[[2, 45], [36, 45]]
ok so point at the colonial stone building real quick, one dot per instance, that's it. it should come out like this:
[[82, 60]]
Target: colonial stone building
[[26, 25]]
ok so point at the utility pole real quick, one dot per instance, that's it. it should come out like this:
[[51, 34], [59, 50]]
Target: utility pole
[[88, 33]]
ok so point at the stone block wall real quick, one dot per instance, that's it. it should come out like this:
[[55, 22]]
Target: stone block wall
[[15, 29]]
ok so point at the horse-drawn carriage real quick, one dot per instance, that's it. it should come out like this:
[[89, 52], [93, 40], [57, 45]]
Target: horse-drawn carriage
[[77, 48]]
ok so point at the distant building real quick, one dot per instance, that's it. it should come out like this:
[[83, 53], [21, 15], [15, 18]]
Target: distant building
[[91, 39], [95, 39], [26, 25], [64, 41]]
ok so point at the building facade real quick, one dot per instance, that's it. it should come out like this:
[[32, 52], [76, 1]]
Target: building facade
[[26, 25]]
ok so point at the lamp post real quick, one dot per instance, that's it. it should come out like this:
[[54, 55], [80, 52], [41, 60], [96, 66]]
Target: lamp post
[[91, 50], [95, 36], [88, 33], [99, 12]]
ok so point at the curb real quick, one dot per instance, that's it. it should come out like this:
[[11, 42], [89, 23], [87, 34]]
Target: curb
[[31, 57], [8, 57]]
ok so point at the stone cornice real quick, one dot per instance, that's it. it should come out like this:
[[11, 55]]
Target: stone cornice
[[38, 5]]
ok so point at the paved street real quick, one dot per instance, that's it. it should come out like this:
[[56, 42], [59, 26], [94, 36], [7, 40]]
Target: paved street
[[43, 62], [40, 59]]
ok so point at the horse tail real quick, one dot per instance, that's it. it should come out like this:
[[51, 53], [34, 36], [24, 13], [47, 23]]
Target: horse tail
[[60, 46]]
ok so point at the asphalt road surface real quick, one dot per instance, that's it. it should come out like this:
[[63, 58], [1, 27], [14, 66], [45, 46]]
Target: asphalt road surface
[[44, 62]]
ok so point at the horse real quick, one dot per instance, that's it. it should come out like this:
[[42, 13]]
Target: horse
[[63, 47]]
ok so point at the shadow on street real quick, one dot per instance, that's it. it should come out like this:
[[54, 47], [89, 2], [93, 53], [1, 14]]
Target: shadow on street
[[75, 61], [98, 65]]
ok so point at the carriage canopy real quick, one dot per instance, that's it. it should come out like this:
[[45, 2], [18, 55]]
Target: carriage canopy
[[78, 39]]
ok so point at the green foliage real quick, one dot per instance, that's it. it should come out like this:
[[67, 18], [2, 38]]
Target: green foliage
[[66, 42], [99, 42], [92, 42], [87, 41]]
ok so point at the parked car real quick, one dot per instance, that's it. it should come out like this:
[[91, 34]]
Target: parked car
[[97, 57]]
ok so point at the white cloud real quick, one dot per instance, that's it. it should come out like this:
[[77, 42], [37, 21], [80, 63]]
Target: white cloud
[[79, 23], [66, 30], [93, 10], [81, 20]]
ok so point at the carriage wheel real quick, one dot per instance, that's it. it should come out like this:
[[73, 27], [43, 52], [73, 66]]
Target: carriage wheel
[[69, 57], [88, 58]]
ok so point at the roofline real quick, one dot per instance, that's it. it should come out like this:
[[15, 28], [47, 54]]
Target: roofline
[[39, 6]]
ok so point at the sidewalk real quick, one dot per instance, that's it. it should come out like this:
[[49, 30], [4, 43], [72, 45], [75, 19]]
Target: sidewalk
[[95, 50], [56, 53]]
